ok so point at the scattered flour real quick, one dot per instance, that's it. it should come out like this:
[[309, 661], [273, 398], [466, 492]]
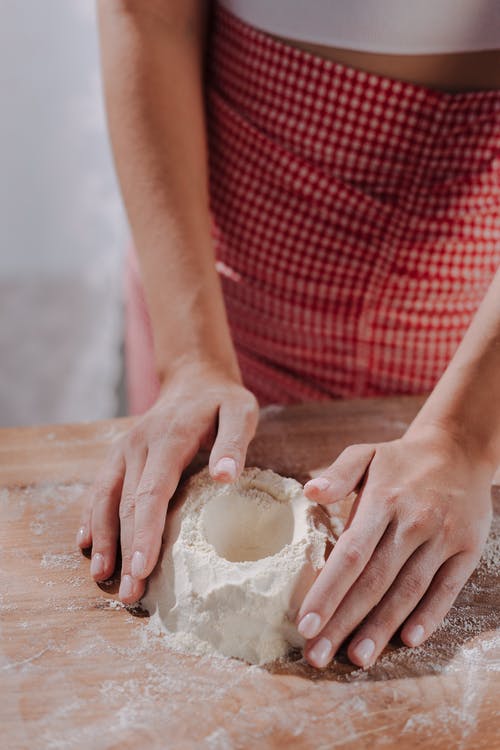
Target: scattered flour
[[149, 686], [70, 561]]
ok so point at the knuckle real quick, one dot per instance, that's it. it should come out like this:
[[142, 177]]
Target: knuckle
[[127, 507], [339, 475], [153, 488], [179, 432], [351, 550], [413, 585], [353, 556], [231, 445], [451, 586], [146, 537], [249, 412], [149, 486], [390, 499], [144, 494], [373, 578], [472, 546], [448, 530], [421, 521], [104, 488]]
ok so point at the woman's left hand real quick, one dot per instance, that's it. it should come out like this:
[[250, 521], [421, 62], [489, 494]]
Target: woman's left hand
[[415, 534]]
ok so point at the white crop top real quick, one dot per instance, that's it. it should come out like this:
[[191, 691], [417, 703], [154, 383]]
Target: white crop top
[[392, 26]]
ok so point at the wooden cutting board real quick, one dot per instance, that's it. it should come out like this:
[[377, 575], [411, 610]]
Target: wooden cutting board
[[78, 670]]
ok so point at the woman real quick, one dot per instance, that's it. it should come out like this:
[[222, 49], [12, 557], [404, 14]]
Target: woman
[[353, 159]]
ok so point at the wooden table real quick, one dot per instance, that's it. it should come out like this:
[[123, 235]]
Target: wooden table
[[78, 670]]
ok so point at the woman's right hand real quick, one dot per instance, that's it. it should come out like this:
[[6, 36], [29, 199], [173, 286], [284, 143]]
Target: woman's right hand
[[199, 407]]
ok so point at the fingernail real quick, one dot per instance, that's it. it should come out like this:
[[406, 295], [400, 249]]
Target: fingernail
[[415, 635], [319, 483], [138, 565], [364, 650], [81, 535], [310, 625], [226, 466], [320, 652], [97, 565], [126, 587]]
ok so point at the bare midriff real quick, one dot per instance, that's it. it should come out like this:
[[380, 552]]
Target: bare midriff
[[454, 72]]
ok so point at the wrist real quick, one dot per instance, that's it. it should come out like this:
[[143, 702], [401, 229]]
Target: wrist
[[455, 431], [197, 336], [197, 364]]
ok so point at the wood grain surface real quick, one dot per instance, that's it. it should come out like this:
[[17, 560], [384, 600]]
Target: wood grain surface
[[79, 670]]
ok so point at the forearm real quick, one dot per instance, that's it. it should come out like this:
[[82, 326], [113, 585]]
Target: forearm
[[466, 400], [152, 59]]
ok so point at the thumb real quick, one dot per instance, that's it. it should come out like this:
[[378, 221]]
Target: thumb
[[342, 477], [238, 418]]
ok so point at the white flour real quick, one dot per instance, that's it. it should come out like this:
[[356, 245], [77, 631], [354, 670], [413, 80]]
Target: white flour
[[237, 562]]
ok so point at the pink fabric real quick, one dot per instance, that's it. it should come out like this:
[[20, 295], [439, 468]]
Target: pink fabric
[[356, 222]]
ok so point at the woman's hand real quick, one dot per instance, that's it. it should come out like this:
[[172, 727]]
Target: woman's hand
[[414, 536], [199, 407]]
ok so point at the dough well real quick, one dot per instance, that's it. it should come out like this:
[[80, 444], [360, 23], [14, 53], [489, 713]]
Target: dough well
[[237, 561]]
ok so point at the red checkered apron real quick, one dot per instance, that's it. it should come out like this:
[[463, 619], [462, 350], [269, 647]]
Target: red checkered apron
[[356, 218]]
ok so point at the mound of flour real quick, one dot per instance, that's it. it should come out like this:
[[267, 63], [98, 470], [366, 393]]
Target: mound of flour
[[236, 563]]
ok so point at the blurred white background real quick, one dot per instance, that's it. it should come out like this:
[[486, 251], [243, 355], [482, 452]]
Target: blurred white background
[[62, 227]]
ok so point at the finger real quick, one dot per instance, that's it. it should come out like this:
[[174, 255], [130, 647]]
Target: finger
[[346, 562], [84, 533], [444, 589], [130, 590], [409, 587], [378, 576], [238, 418], [342, 477], [104, 517], [158, 483]]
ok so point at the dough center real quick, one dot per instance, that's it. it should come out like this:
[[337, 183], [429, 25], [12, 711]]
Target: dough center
[[242, 530]]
